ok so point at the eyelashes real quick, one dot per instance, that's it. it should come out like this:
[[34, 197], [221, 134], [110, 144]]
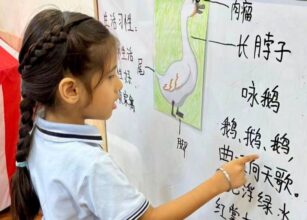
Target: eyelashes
[[112, 76]]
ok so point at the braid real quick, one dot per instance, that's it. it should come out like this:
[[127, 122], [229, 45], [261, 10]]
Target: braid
[[28, 203], [39, 49], [25, 203], [23, 146], [54, 43]]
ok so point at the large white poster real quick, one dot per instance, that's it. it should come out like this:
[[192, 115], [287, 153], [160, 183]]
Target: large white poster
[[254, 101]]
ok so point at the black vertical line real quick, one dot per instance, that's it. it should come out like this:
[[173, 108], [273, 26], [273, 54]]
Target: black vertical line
[[179, 126]]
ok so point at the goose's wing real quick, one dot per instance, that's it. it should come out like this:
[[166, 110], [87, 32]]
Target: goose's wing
[[182, 78], [175, 77]]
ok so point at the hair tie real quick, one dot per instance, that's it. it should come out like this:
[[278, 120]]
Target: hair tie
[[21, 164]]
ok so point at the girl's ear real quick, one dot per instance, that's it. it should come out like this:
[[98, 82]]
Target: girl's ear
[[69, 90]]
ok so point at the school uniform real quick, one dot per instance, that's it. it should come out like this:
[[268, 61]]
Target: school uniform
[[75, 179]]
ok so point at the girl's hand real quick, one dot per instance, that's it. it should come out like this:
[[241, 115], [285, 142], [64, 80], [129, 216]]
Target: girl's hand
[[235, 170]]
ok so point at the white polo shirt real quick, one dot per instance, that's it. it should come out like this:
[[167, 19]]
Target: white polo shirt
[[75, 179]]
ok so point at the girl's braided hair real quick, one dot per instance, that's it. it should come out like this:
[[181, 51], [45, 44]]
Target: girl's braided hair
[[54, 43]]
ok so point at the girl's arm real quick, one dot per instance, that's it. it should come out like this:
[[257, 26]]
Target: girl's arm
[[185, 205]]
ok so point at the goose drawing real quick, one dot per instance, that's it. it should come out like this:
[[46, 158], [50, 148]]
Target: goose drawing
[[180, 78]]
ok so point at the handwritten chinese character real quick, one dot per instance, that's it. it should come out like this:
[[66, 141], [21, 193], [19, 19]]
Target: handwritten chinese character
[[281, 143], [219, 208], [281, 51], [253, 137], [226, 154], [251, 94], [182, 145], [265, 202], [270, 99], [229, 128]]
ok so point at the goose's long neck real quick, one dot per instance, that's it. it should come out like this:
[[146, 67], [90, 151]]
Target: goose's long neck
[[187, 51]]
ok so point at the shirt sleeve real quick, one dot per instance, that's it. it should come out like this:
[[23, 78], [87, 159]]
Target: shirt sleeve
[[107, 192]]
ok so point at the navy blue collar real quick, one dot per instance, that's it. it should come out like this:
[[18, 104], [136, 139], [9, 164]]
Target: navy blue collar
[[68, 132]]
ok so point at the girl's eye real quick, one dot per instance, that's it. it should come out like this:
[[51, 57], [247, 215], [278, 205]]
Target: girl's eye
[[112, 76]]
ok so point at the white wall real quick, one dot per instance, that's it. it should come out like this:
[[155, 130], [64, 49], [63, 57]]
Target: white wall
[[15, 14]]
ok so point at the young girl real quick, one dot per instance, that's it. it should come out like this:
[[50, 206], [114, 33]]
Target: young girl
[[68, 68]]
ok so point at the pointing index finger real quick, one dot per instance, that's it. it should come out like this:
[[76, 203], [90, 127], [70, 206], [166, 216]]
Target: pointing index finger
[[249, 158]]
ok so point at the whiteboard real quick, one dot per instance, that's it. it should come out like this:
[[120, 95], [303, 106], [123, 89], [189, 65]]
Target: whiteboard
[[254, 101]]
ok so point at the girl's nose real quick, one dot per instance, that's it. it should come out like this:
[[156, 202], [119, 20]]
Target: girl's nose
[[119, 84]]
